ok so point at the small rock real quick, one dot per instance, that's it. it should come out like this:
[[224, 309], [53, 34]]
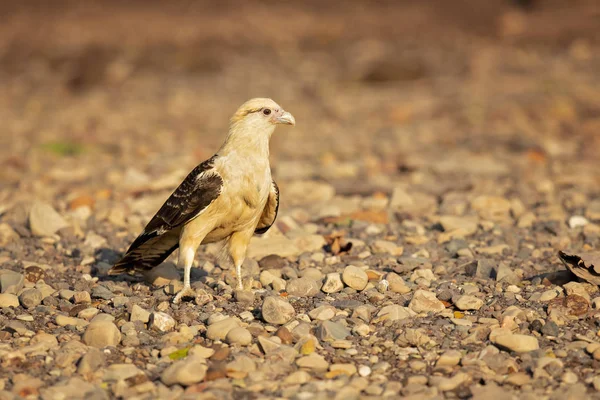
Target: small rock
[[285, 335], [162, 275], [277, 311], [385, 246], [30, 298], [239, 335], [120, 372], [82, 297], [394, 312], [314, 362], [91, 361], [355, 277], [88, 313], [220, 329], [396, 284], [303, 287], [329, 331], [506, 274], [8, 300], [424, 302], [449, 358], [139, 314], [162, 322], [44, 220], [346, 369], [101, 334], [516, 342], [333, 283], [550, 328], [101, 292], [467, 302], [244, 296], [301, 377], [63, 320], [272, 261], [577, 221], [11, 282], [185, 372], [322, 313]]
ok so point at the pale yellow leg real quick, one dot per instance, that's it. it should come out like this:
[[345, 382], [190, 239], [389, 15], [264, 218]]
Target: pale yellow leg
[[238, 246], [188, 244]]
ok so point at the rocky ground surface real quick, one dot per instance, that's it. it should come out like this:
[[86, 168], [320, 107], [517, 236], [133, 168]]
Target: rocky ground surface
[[441, 159]]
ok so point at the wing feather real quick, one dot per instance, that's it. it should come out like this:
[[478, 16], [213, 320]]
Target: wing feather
[[269, 214], [161, 236]]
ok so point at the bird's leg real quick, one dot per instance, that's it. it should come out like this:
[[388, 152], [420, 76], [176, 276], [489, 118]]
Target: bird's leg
[[186, 257], [238, 244]]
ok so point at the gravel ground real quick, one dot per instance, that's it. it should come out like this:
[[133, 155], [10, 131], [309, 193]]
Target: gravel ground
[[442, 157]]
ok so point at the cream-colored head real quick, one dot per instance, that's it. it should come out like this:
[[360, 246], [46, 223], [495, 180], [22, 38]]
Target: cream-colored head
[[262, 113], [253, 124]]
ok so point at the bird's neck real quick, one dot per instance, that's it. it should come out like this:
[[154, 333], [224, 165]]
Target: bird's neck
[[247, 141]]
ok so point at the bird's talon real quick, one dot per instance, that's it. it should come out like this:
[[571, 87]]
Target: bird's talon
[[185, 292]]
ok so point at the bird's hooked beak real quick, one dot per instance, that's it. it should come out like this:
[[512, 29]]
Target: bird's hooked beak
[[285, 118]]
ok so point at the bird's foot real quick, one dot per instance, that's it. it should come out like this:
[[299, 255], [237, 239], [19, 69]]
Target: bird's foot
[[185, 292]]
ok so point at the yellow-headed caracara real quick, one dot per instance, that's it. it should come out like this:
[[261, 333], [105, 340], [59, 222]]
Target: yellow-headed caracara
[[230, 196]]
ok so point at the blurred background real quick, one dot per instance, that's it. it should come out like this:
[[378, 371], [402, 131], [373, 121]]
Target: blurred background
[[97, 96]]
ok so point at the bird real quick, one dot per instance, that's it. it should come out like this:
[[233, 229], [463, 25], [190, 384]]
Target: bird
[[229, 197]]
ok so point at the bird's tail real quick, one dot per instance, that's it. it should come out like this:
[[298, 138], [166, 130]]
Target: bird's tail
[[145, 256]]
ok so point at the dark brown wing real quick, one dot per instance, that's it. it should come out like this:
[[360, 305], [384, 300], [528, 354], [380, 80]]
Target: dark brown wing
[[161, 236], [270, 212]]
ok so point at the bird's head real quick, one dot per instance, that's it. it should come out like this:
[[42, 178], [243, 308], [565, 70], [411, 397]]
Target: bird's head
[[261, 115]]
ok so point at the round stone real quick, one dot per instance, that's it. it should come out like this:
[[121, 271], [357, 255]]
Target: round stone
[[277, 311], [101, 334], [239, 335], [355, 277]]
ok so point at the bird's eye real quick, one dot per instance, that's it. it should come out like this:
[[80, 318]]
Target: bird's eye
[[266, 111]]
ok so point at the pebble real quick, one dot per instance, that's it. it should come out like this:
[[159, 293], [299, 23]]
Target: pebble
[[220, 329], [88, 313], [30, 298], [303, 287], [276, 310], [424, 301], [329, 331], [44, 220], [239, 335], [102, 334], [162, 275], [387, 247], [11, 282], [91, 361], [449, 358], [394, 313], [139, 314], [355, 277], [313, 362], [63, 320], [516, 342], [162, 322], [467, 302], [185, 372], [322, 313], [333, 283], [8, 300], [82, 298]]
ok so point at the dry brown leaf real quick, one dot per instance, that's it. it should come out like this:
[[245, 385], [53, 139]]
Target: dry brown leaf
[[585, 265], [336, 243]]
